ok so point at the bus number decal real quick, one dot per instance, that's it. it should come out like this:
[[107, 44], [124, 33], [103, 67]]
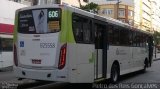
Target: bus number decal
[[53, 14], [47, 45]]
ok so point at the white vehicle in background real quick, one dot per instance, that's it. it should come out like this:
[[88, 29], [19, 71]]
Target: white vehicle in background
[[6, 50], [7, 16]]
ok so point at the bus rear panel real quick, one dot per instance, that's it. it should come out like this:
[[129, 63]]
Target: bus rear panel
[[37, 52]]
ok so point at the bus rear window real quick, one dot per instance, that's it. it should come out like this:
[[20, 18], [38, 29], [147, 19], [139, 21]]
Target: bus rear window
[[39, 21]]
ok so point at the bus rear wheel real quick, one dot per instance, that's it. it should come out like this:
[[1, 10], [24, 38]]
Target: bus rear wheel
[[114, 73], [145, 65]]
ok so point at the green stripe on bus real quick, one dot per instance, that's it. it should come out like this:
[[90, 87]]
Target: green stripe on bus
[[63, 26], [66, 34], [15, 28], [70, 37]]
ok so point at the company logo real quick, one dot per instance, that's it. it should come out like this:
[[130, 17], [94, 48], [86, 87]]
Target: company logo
[[47, 45]]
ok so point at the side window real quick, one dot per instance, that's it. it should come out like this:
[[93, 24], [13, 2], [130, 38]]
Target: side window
[[82, 29], [116, 36], [124, 37], [78, 31], [147, 40], [131, 37], [138, 39], [134, 38], [99, 36], [144, 40], [141, 39], [110, 34], [87, 31]]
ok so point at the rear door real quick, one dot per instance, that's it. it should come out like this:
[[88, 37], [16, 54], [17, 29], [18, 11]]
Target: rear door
[[38, 37], [101, 51]]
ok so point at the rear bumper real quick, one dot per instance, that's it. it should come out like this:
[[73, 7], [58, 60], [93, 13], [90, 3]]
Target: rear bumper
[[47, 75]]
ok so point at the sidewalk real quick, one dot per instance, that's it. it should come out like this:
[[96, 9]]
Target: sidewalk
[[157, 57], [10, 68]]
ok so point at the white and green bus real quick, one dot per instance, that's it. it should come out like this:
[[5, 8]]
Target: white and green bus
[[64, 43]]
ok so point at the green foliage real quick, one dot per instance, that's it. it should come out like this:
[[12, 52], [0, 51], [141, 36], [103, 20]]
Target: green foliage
[[156, 36], [90, 7]]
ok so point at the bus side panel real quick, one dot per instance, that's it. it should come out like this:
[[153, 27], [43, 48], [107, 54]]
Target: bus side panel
[[122, 55], [81, 63], [130, 58], [139, 55]]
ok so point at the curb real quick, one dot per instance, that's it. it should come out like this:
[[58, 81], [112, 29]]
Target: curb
[[10, 68], [156, 59]]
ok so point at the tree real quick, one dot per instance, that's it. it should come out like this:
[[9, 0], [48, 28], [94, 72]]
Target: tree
[[91, 7], [156, 36], [80, 3], [57, 1], [35, 2]]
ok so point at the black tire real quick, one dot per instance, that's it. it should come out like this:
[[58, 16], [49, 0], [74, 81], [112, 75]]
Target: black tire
[[145, 66], [114, 73]]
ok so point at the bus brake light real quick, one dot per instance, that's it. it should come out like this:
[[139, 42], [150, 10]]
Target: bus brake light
[[62, 58]]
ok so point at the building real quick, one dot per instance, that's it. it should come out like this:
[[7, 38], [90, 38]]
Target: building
[[75, 3], [7, 15], [25, 2], [147, 15], [122, 11], [142, 14], [155, 15]]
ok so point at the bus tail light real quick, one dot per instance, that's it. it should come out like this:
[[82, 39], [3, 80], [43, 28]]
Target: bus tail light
[[62, 58], [15, 55]]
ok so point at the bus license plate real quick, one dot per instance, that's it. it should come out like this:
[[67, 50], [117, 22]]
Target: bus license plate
[[36, 61]]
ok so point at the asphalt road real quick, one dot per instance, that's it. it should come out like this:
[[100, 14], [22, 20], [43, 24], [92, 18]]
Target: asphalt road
[[151, 76], [137, 80]]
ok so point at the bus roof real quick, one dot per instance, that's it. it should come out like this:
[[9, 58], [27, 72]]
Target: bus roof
[[89, 14], [106, 19]]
